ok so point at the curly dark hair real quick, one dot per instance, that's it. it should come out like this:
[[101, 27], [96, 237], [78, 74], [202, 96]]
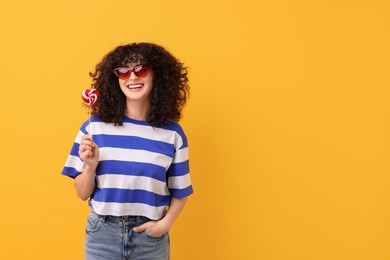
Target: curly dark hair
[[170, 84]]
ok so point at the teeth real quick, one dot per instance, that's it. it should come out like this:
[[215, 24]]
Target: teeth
[[135, 86]]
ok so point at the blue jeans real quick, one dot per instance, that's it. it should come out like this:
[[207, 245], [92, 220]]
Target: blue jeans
[[110, 237]]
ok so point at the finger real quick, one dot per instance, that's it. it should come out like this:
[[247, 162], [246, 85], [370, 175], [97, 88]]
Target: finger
[[86, 137], [85, 155], [87, 146], [84, 149], [87, 142], [140, 228]]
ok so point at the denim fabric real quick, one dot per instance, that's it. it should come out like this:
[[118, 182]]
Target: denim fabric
[[113, 238]]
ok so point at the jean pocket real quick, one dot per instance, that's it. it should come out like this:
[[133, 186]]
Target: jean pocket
[[144, 233], [93, 223]]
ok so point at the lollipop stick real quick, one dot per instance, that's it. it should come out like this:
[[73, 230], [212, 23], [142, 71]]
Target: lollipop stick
[[89, 121], [89, 96]]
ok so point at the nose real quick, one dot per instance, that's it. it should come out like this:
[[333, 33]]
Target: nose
[[132, 76]]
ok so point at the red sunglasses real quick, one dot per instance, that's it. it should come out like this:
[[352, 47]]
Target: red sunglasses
[[139, 70]]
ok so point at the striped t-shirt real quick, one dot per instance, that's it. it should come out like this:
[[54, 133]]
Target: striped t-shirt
[[140, 167]]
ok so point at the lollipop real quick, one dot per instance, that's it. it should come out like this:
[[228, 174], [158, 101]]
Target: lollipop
[[89, 96]]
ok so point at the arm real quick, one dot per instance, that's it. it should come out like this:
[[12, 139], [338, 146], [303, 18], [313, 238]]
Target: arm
[[173, 212], [84, 183], [158, 228]]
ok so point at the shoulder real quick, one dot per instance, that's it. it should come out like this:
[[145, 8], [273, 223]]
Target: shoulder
[[173, 126], [84, 125], [176, 128], [179, 134]]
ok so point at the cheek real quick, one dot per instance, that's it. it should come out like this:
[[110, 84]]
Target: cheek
[[122, 87], [121, 83], [151, 77], [150, 85], [151, 81]]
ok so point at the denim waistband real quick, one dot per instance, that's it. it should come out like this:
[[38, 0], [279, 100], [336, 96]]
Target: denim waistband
[[135, 219]]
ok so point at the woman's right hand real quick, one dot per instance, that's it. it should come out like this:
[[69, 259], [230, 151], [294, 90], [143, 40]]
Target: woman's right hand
[[89, 151]]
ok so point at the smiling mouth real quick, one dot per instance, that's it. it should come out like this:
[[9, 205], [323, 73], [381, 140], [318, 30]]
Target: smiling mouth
[[135, 86]]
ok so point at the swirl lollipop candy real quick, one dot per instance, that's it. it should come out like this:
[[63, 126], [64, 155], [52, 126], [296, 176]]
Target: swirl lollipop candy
[[89, 96]]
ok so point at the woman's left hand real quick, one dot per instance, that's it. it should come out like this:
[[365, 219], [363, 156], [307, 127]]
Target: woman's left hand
[[153, 228], [160, 227]]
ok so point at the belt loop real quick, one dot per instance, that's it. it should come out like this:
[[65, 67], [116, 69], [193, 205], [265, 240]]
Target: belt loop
[[102, 218]]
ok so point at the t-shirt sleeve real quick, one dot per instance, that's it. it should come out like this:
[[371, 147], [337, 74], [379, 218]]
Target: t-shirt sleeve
[[179, 181], [74, 165]]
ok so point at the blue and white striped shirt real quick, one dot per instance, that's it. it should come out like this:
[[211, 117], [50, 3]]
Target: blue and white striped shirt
[[140, 167]]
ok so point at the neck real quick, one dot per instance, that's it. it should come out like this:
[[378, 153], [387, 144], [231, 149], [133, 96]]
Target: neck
[[137, 110]]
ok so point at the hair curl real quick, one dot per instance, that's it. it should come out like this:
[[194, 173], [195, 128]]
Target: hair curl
[[170, 84]]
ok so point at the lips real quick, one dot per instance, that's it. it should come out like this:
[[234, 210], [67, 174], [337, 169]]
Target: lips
[[135, 86]]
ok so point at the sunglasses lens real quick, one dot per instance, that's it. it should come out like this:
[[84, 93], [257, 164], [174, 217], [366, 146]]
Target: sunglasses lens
[[141, 71], [122, 73]]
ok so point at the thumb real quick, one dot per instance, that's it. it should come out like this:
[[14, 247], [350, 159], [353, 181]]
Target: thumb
[[140, 228]]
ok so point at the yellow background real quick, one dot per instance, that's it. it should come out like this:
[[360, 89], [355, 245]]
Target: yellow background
[[288, 123]]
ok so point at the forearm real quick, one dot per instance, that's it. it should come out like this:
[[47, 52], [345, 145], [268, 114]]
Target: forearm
[[174, 210], [85, 183]]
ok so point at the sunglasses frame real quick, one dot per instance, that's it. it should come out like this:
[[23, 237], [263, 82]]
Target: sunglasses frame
[[131, 70]]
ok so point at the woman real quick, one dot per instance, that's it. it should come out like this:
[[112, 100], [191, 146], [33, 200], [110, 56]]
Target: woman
[[133, 162]]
